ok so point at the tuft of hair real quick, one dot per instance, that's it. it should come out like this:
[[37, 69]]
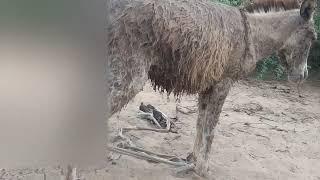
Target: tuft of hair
[[265, 6]]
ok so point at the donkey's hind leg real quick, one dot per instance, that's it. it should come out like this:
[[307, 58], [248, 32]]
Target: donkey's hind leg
[[210, 105]]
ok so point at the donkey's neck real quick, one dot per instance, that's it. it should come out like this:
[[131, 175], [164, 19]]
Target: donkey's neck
[[270, 30]]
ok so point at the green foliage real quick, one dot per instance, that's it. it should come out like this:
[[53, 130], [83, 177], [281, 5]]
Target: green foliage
[[270, 68], [317, 21], [314, 56], [231, 2]]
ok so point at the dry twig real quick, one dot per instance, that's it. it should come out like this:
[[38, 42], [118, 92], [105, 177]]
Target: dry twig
[[145, 129], [150, 152], [147, 156]]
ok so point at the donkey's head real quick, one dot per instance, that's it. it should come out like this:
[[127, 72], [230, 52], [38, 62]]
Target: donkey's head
[[294, 53]]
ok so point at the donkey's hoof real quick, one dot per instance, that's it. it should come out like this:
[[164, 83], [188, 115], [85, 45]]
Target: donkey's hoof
[[202, 169]]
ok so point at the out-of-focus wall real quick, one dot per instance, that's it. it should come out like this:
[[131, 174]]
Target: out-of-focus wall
[[52, 82]]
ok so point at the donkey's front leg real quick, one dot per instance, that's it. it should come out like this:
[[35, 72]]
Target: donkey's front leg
[[210, 105]]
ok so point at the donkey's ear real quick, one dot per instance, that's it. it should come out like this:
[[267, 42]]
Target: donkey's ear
[[307, 9]]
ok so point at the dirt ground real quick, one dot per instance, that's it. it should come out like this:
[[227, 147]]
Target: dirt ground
[[265, 132]]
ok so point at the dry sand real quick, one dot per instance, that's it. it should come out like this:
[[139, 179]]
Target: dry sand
[[265, 132]]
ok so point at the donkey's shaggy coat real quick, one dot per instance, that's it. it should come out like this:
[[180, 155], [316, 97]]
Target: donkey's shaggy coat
[[197, 46], [189, 44]]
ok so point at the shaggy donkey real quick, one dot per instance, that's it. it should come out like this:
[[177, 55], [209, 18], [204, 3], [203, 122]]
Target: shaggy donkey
[[201, 47]]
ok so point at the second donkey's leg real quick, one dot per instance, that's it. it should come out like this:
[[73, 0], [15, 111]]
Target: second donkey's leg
[[210, 105]]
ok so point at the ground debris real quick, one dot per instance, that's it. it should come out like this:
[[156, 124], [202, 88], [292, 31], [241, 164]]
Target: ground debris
[[156, 117], [186, 110], [248, 108]]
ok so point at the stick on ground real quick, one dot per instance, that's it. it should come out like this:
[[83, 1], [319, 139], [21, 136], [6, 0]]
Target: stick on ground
[[145, 129], [147, 157], [150, 152]]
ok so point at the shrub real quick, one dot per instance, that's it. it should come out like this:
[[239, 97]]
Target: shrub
[[270, 68]]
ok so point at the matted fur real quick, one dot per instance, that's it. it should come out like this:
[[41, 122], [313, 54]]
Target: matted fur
[[188, 44], [271, 5]]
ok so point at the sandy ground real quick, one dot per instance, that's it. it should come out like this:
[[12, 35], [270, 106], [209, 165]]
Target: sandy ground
[[265, 132]]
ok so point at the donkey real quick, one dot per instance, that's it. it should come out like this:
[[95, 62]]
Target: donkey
[[201, 47]]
